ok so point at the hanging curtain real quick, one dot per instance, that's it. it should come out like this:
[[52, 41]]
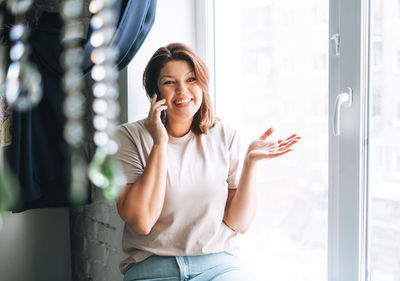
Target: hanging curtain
[[38, 152], [135, 22]]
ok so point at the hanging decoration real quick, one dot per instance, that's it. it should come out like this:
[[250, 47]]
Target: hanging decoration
[[23, 83], [74, 102], [104, 171], [23, 88]]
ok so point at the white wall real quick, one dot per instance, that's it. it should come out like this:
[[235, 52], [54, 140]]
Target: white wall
[[35, 246], [175, 22]]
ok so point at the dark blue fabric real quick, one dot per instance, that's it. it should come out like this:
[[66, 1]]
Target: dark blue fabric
[[135, 21], [38, 154]]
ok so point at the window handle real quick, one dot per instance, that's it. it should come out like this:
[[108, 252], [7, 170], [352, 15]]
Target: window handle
[[335, 41], [345, 98]]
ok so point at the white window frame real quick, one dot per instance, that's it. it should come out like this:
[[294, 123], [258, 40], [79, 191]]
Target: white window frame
[[347, 235], [205, 39]]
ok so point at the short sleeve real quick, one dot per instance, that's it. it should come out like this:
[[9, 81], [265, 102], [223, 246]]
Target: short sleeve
[[128, 155], [234, 160]]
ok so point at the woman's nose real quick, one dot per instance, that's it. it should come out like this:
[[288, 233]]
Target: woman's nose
[[181, 88]]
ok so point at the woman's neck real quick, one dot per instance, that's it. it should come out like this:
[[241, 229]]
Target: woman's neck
[[178, 129]]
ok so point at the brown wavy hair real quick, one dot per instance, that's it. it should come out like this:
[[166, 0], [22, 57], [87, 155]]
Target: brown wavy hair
[[204, 118]]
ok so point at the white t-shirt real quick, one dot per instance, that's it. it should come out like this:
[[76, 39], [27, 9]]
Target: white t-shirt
[[201, 169]]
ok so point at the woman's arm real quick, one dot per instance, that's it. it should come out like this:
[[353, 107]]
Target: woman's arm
[[140, 203], [241, 204]]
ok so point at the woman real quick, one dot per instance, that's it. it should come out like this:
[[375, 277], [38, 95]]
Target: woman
[[184, 201]]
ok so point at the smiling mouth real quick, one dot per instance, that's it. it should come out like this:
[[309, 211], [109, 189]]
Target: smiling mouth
[[181, 102]]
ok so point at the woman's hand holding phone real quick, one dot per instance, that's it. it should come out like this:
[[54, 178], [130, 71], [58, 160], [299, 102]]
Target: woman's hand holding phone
[[153, 122]]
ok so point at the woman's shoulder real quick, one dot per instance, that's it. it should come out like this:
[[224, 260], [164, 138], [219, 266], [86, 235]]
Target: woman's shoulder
[[224, 125], [223, 129], [132, 128]]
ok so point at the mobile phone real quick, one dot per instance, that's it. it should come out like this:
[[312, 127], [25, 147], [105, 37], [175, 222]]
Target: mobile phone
[[163, 114]]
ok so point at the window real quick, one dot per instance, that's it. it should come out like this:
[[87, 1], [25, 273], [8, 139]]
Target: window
[[396, 115], [398, 163], [377, 9], [398, 112], [269, 87], [320, 62], [376, 97], [398, 9], [282, 81], [380, 160], [384, 170], [288, 18], [398, 60], [319, 15], [377, 55]]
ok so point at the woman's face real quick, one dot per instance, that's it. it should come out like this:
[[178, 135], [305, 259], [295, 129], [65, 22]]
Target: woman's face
[[178, 86]]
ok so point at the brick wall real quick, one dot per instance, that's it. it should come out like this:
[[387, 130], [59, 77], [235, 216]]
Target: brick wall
[[96, 232]]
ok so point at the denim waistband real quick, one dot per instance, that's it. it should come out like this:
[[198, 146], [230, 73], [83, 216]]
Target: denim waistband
[[182, 268]]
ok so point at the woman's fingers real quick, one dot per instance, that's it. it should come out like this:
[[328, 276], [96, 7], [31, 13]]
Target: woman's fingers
[[287, 146], [153, 99], [155, 102], [262, 148], [155, 105], [292, 136], [267, 133], [161, 108], [269, 154], [285, 142], [282, 152]]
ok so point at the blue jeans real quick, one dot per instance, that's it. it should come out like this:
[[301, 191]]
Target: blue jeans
[[212, 267]]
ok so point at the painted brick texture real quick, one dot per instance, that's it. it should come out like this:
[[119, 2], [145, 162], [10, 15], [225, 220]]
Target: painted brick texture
[[96, 233]]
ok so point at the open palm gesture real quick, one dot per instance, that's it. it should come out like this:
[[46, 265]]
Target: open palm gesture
[[263, 148]]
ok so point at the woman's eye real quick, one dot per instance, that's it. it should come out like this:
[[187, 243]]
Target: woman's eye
[[191, 79], [168, 82]]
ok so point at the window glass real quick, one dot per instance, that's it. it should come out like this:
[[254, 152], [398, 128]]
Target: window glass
[[384, 160], [272, 71], [398, 60]]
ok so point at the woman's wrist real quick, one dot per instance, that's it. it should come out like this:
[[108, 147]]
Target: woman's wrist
[[160, 144], [249, 162]]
